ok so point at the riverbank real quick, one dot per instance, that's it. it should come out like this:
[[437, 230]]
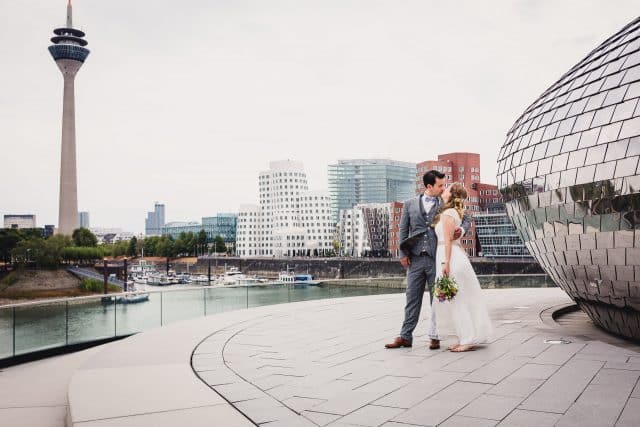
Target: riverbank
[[35, 285]]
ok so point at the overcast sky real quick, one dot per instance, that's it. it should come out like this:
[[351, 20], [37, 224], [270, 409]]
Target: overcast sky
[[184, 102]]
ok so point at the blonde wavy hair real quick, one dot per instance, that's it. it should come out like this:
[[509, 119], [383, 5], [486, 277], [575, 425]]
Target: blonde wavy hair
[[458, 194]]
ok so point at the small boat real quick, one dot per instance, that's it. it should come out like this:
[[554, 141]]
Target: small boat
[[289, 278], [200, 278], [158, 280]]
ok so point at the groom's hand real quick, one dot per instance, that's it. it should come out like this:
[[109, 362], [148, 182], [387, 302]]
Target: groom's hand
[[457, 233], [405, 261]]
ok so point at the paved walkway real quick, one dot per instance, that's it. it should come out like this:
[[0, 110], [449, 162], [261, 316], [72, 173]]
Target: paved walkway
[[322, 363], [326, 365]]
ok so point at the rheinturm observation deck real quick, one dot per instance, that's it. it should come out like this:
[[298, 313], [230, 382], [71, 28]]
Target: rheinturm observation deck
[[69, 52]]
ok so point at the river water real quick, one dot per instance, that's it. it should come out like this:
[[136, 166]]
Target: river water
[[28, 328]]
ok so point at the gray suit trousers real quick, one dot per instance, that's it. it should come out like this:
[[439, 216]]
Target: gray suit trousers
[[420, 275]]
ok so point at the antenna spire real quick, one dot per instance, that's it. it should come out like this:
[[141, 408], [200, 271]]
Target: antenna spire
[[69, 15]]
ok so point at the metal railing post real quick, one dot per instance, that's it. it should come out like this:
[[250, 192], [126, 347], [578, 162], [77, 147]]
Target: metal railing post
[[66, 323], [14, 332], [115, 316], [247, 296], [204, 300], [161, 308]]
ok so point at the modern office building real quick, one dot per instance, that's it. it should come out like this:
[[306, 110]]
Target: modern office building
[[20, 221], [155, 220], [84, 220], [363, 231], [247, 234], [358, 181], [290, 220], [497, 236], [463, 168], [69, 52], [223, 225], [568, 172]]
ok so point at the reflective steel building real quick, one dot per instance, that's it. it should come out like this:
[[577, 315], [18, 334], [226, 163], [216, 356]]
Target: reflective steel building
[[568, 172]]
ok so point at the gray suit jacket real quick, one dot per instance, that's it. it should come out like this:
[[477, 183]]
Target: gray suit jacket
[[415, 221]]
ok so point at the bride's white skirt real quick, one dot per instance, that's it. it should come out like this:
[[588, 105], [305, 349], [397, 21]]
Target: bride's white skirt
[[467, 312]]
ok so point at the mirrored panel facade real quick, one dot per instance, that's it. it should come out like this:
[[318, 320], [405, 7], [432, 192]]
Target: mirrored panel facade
[[570, 176]]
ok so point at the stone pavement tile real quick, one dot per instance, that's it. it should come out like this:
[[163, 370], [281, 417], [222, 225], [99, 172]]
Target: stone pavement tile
[[514, 386], [629, 366], [320, 418], [50, 416], [443, 404], [218, 377], [239, 391], [370, 415], [490, 407], [559, 392], [146, 389], [458, 421], [522, 418], [271, 381], [300, 404], [346, 402], [558, 354], [464, 365], [425, 366], [385, 385], [603, 400], [636, 391], [496, 371], [419, 390], [263, 410], [192, 417], [207, 361], [534, 371], [531, 348], [292, 420], [630, 416]]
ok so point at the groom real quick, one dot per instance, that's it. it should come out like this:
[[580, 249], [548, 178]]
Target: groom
[[418, 244]]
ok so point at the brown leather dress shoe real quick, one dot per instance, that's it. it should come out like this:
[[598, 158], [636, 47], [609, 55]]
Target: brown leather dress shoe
[[399, 342], [435, 344]]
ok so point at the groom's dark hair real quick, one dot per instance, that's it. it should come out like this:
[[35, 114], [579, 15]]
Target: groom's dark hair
[[429, 178]]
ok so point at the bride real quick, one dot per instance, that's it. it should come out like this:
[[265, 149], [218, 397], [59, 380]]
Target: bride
[[467, 310]]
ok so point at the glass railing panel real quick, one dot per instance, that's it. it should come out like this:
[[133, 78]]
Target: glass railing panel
[[490, 281], [221, 299], [182, 305], [39, 327], [268, 295], [6, 332], [138, 312], [90, 319]]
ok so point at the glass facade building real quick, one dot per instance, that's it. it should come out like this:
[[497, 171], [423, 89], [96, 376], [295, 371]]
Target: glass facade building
[[353, 182], [223, 225], [568, 172], [497, 236]]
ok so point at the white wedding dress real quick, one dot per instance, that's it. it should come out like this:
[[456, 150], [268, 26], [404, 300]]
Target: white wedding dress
[[466, 314]]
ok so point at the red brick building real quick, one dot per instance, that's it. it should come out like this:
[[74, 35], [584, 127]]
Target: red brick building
[[394, 227], [464, 168]]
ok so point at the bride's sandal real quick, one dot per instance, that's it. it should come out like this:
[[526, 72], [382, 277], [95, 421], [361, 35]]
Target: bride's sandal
[[461, 348], [452, 347]]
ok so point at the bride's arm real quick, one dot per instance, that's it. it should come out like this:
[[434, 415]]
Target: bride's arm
[[449, 228]]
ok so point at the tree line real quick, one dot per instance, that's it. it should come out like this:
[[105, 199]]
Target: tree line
[[29, 247]]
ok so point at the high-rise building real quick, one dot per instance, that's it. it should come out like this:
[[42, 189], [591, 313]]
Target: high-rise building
[[289, 220], [20, 221], [155, 220], [84, 220], [463, 168], [69, 52], [357, 181]]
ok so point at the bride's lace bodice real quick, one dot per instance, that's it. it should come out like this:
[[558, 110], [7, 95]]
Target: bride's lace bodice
[[440, 225]]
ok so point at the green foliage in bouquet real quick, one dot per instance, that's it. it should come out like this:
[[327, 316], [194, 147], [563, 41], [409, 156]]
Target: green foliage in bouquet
[[445, 288]]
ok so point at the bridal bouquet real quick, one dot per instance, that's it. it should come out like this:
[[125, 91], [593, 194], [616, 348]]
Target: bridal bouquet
[[445, 288]]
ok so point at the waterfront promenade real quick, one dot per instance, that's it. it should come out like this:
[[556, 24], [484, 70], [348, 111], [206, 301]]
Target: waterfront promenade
[[323, 363]]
